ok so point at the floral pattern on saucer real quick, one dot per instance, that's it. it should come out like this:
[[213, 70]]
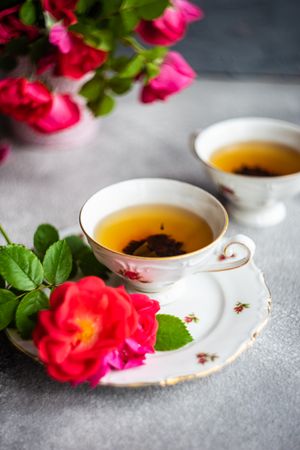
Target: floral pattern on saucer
[[206, 357], [191, 318], [239, 307]]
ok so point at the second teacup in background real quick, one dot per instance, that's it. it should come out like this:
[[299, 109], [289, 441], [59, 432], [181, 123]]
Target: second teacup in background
[[255, 163]]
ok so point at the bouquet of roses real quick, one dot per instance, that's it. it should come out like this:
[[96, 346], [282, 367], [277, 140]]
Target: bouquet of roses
[[84, 41]]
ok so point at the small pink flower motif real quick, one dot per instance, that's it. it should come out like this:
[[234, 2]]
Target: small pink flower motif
[[191, 318], [223, 257], [239, 307], [206, 357], [132, 275]]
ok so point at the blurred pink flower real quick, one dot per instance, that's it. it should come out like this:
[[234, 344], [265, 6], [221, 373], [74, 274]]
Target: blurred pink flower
[[34, 104], [11, 27], [24, 100], [61, 10], [5, 150], [175, 75], [171, 26], [63, 114], [59, 36]]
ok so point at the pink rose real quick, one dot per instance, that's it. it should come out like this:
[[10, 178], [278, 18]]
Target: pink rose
[[23, 100], [34, 104], [171, 26], [132, 352], [63, 114], [60, 37], [11, 27], [61, 10], [75, 58], [175, 75]]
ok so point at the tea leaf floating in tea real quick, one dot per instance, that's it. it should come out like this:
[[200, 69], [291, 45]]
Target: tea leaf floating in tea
[[255, 171], [156, 245]]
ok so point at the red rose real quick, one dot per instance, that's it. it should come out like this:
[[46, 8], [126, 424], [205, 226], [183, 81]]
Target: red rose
[[171, 26], [175, 75], [62, 10], [23, 100], [86, 321], [32, 103], [11, 27], [63, 114], [79, 60]]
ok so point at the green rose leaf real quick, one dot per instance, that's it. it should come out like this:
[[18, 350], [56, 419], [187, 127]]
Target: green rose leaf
[[8, 305], [26, 314], [84, 5], [130, 19], [44, 236], [89, 265], [172, 333], [102, 106], [151, 9], [28, 12], [76, 244], [2, 282], [120, 85], [109, 8], [152, 71], [119, 63], [20, 267], [133, 68], [155, 53], [93, 89], [57, 262]]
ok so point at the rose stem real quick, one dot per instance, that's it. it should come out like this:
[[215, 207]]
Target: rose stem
[[8, 241]]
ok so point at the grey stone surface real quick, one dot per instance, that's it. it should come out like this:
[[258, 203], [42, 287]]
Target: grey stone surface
[[254, 403], [241, 37]]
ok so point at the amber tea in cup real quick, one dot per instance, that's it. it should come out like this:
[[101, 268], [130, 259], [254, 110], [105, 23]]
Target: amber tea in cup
[[154, 230], [257, 158]]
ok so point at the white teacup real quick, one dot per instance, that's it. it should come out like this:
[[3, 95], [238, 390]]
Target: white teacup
[[158, 275], [255, 201]]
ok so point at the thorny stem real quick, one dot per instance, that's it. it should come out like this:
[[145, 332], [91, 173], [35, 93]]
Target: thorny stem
[[3, 232]]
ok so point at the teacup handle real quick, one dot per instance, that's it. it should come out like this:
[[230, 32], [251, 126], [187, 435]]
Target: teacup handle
[[239, 241]]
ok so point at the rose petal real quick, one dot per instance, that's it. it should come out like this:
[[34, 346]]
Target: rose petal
[[5, 151], [59, 36], [64, 113]]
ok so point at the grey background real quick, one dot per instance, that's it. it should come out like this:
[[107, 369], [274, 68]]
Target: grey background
[[253, 404], [240, 37]]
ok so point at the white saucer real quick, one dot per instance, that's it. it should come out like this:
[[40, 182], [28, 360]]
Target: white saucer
[[224, 312]]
